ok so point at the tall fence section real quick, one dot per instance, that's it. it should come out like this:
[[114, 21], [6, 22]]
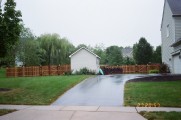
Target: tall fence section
[[37, 71], [127, 69], [62, 69]]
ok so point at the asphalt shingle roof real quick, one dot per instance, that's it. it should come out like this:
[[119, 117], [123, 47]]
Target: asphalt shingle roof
[[175, 6]]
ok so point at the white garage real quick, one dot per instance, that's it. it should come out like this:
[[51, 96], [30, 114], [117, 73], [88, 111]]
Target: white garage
[[177, 64], [84, 58]]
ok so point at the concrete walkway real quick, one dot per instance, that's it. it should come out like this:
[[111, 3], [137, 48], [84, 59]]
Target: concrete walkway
[[26, 112]]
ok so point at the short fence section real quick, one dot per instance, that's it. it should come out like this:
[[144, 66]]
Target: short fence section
[[127, 69], [37, 71]]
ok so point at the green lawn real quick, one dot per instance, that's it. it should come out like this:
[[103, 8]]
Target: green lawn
[[36, 90], [168, 94], [3, 111], [161, 115], [2, 73]]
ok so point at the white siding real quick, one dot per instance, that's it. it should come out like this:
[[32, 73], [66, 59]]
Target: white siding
[[167, 41], [177, 27], [83, 59], [177, 64]]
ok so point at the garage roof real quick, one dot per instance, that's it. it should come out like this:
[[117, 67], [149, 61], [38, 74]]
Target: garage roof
[[86, 50]]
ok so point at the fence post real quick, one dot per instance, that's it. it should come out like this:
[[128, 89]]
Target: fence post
[[23, 70], [32, 70], [40, 70], [148, 68], [136, 68], [127, 69], [58, 69], [15, 72], [7, 72], [49, 70]]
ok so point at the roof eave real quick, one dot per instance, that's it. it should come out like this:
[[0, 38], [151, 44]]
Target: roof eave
[[86, 50], [176, 15], [176, 43], [163, 14]]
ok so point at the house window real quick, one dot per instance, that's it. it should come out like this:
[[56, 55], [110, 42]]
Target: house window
[[168, 31]]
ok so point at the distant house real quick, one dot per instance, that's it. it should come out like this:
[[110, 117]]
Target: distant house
[[171, 35], [84, 58], [127, 52]]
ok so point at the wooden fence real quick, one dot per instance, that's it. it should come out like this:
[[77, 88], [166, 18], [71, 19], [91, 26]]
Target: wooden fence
[[125, 69], [37, 71], [60, 70]]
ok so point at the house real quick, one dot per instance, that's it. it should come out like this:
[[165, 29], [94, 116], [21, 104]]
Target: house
[[84, 58], [171, 35], [127, 52]]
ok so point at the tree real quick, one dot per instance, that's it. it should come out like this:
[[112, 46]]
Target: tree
[[157, 55], [100, 51], [26, 33], [54, 49], [128, 61], [114, 55], [27, 48], [9, 27], [85, 46], [142, 52], [67, 49], [31, 54]]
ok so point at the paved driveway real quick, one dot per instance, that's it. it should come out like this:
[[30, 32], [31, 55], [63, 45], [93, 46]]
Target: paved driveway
[[98, 91]]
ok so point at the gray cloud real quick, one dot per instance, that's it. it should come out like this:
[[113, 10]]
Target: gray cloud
[[111, 22]]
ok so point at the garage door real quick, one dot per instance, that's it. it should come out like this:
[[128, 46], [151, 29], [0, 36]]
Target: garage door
[[177, 64]]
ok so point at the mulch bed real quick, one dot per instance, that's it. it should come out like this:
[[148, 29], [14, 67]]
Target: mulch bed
[[4, 89], [158, 78]]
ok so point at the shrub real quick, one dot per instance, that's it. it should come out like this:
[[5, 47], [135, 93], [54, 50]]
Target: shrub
[[153, 71], [85, 71], [164, 68], [68, 73]]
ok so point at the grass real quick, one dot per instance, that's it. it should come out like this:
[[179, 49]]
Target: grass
[[36, 90], [2, 73], [3, 111], [168, 94], [161, 115]]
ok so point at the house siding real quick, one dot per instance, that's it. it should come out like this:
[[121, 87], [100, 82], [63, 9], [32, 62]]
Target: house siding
[[177, 27], [167, 41], [177, 48], [83, 59]]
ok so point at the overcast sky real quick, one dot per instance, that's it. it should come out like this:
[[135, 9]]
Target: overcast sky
[[91, 22]]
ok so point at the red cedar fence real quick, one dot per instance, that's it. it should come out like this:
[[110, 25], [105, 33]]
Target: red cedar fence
[[126, 69], [37, 71], [60, 70]]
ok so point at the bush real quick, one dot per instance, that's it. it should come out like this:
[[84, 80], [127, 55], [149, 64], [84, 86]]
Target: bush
[[164, 68], [154, 71], [85, 71], [68, 73]]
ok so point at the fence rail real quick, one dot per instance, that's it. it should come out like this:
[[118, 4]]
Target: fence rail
[[60, 70], [37, 71]]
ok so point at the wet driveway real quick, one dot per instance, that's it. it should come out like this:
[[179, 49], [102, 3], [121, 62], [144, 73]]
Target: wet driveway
[[98, 91]]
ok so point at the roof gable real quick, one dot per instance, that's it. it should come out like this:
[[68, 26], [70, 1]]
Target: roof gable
[[175, 6], [86, 50]]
